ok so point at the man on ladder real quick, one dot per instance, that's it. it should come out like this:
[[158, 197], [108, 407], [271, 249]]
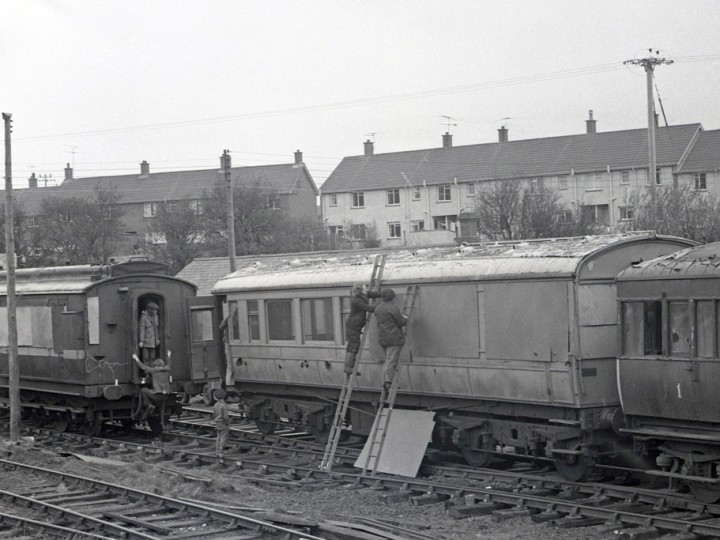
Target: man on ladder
[[390, 323], [360, 311]]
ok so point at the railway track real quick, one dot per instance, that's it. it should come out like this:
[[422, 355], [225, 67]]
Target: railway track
[[630, 511], [101, 509]]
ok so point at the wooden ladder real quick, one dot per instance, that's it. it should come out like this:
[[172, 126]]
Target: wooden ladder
[[376, 440], [350, 378]]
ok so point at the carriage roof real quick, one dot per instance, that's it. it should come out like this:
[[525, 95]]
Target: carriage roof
[[555, 257], [697, 261], [77, 279]]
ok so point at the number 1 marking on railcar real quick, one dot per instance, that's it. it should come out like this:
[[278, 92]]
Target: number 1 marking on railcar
[[679, 392]]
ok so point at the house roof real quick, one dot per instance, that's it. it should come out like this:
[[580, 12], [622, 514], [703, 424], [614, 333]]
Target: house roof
[[512, 159], [705, 153], [174, 185]]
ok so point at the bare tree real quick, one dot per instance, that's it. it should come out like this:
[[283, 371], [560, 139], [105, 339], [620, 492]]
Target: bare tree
[[78, 230], [679, 211], [515, 209], [177, 234]]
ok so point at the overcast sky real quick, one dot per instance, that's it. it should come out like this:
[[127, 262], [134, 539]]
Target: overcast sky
[[108, 84]]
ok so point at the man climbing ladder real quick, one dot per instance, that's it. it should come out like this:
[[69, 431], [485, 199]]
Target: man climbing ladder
[[392, 326], [360, 313]]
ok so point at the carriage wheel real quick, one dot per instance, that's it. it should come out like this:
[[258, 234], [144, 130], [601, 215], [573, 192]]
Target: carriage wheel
[[268, 423]]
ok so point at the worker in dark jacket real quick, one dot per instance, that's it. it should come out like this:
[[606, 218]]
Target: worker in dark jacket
[[354, 324], [160, 372], [390, 323]]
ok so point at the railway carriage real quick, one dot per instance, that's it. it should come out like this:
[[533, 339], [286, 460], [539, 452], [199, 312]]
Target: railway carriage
[[513, 345], [669, 364], [77, 331]]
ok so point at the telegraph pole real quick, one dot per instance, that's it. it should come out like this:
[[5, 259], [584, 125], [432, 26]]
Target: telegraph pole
[[230, 209], [13, 366], [648, 65]]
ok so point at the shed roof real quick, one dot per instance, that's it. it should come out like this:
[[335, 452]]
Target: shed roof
[[512, 159], [548, 257]]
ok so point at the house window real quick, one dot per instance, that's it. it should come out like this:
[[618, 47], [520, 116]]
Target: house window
[[471, 190], [272, 203], [627, 213], [279, 320], [332, 199], [597, 213], [201, 327], [444, 193], [416, 194], [336, 230], [358, 199], [625, 177], [445, 223], [253, 321], [317, 319], [537, 183], [32, 222], [594, 182], [358, 231], [196, 206], [393, 196], [563, 181], [418, 225], [700, 182], [150, 209], [172, 206], [394, 230], [566, 216]]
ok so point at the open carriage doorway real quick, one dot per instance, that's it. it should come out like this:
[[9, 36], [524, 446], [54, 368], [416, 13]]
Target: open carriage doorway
[[151, 327]]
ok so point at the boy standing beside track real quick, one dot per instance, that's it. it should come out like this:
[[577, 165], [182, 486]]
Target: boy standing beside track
[[222, 421]]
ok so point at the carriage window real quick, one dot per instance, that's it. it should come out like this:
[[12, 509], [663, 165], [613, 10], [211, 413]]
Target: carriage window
[[279, 320], [201, 325], [679, 329], [642, 328], [704, 324], [317, 319], [253, 320]]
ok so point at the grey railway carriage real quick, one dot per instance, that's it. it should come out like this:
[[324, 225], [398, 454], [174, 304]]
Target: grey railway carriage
[[669, 364], [512, 344], [77, 329]]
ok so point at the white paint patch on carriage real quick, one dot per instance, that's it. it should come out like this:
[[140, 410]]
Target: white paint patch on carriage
[[679, 392]]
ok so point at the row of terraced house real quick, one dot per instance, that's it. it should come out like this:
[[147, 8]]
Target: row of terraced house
[[423, 197]]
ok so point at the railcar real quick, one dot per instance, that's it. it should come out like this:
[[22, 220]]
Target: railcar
[[513, 345], [77, 331], [669, 364]]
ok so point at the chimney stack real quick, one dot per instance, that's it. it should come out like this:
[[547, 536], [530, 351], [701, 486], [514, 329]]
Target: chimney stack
[[590, 123], [68, 173], [144, 168], [298, 157], [447, 140], [32, 181], [369, 147], [502, 134]]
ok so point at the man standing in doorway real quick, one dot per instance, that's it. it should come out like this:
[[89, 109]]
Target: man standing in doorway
[[390, 323], [149, 332]]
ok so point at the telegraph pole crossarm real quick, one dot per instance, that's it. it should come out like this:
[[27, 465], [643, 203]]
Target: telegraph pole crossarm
[[648, 65]]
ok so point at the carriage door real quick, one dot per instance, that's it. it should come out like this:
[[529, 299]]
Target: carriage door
[[205, 352]]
